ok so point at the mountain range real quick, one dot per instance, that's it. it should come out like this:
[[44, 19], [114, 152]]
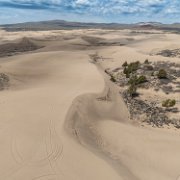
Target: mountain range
[[61, 24]]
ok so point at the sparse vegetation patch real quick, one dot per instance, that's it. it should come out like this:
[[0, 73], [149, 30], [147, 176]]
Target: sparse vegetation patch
[[162, 74], [134, 76], [169, 103]]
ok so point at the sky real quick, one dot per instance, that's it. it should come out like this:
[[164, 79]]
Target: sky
[[120, 11]]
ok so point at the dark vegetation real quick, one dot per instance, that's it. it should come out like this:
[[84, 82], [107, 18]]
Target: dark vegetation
[[132, 90], [162, 74], [135, 75], [146, 61], [130, 68], [169, 103], [125, 64], [113, 79], [134, 80]]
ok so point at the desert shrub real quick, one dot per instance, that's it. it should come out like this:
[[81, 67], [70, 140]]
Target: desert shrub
[[130, 68], [132, 90], [146, 61], [162, 74], [113, 79], [133, 66], [172, 103], [141, 79], [127, 75], [169, 103], [137, 80], [125, 71], [125, 64], [133, 80]]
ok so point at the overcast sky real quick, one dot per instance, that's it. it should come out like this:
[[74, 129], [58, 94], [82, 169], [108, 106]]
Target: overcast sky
[[122, 11]]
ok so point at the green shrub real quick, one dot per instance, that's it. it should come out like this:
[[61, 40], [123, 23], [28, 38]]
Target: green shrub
[[137, 80], [130, 68], [141, 79], [127, 75], [169, 103], [133, 80], [125, 70], [172, 103], [162, 74], [132, 90], [146, 61], [125, 64], [113, 79], [134, 66]]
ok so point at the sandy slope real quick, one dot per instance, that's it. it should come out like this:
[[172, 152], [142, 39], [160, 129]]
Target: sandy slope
[[134, 152], [61, 118], [33, 141]]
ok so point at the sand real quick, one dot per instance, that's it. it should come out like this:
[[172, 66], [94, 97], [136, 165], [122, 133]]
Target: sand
[[61, 117]]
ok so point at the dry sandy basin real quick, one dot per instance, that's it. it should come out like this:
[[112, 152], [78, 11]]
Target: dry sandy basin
[[54, 123]]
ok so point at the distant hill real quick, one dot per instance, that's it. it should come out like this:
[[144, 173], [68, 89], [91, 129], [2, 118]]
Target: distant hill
[[58, 25], [149, 23], [65, 25]]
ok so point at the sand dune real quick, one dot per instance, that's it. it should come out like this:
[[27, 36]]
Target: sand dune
[[134, 152], [61, 117], [32, 117]]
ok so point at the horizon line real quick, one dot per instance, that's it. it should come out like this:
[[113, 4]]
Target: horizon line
[[90, 22]]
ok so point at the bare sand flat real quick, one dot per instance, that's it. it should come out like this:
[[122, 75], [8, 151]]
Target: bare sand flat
[[62, 118]]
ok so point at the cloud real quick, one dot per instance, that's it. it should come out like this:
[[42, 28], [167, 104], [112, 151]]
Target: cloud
[[82, 2], [109, 10]]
